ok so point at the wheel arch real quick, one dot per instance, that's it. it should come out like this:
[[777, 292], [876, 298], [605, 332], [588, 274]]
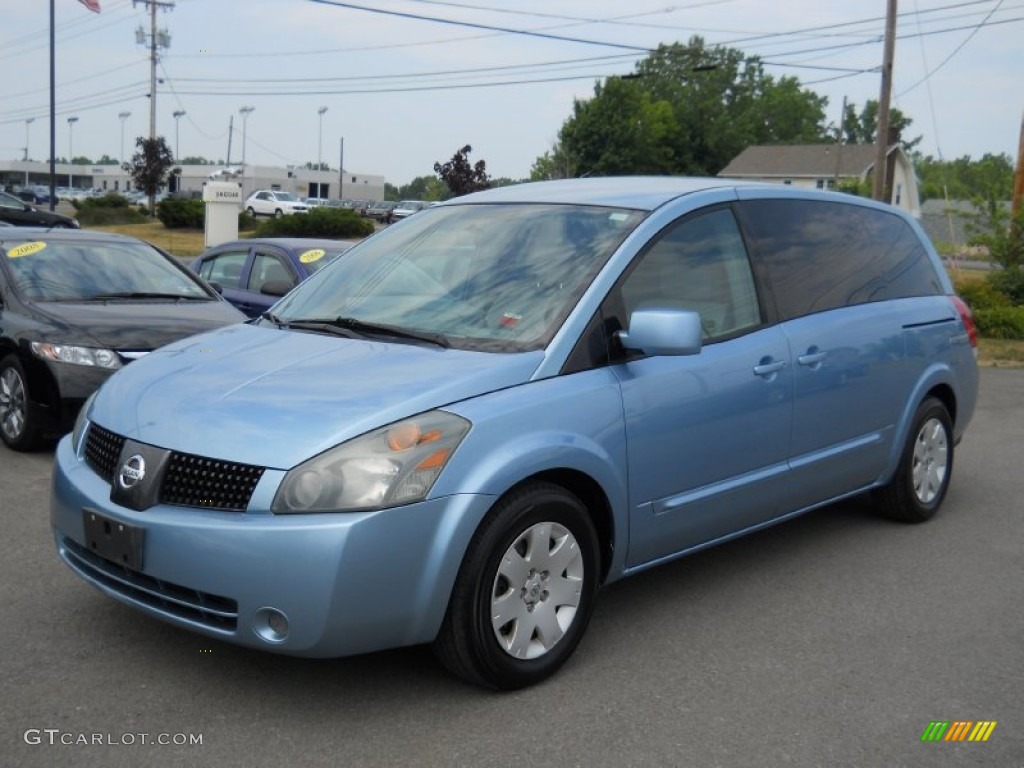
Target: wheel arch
[[936, 383], [588, 491]]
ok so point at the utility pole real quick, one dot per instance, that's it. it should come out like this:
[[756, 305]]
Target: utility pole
[[1018, 177], [882, 137], [161, 40], [156, 41]]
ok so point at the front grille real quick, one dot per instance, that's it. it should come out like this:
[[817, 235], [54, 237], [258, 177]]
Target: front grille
[[195, 481], [102, 449], [187, 481], [211, 611]]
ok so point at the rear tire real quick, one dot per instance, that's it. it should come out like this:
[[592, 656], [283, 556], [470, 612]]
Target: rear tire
[[17, 425], [916, 491], [525, 591], [251, 211]]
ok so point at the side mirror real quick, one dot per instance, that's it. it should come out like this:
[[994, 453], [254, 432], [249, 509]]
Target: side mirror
[[663, 332], [275, 287]]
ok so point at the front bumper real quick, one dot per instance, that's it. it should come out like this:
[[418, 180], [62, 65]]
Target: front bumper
[[346, 583]]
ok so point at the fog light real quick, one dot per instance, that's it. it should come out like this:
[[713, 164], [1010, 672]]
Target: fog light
[[271, 625]]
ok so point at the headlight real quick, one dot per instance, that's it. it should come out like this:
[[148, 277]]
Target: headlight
[[396, 464], [66, 353], [80, 422]]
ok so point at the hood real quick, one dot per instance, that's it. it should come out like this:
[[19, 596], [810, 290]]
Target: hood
[[274, 397], [133, 325]]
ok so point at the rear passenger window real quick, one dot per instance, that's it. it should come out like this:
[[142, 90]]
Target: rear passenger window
[[699, 264], [821, 255]]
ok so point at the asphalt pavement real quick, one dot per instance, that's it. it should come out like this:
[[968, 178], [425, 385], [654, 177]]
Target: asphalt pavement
[[832, 640]]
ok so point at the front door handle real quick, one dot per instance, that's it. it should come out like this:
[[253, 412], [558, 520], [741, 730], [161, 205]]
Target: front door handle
[[768, 367]]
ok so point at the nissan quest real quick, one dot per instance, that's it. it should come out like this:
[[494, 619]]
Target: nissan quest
[[457, 433]]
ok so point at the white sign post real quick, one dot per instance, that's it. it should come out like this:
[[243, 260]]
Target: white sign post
[[223, 202]]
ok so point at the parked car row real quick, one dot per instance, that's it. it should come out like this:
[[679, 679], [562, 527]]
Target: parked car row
[[456, 431]]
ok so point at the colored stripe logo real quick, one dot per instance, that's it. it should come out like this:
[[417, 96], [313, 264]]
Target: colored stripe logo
[[958, 730]]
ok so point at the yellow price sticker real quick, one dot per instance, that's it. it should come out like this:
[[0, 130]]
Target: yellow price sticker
[[310, 256], [25, 249]]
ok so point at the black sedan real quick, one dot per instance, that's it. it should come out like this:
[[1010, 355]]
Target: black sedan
[[74, 307], [16, 211], [253, 274]]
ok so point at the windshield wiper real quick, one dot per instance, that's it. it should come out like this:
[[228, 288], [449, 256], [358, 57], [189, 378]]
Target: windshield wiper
[[353, 328], [141, 295]]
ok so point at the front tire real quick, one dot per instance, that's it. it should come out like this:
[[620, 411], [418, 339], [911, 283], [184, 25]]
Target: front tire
[[17, 425], [922, 478], [525, 592], [278, 213]]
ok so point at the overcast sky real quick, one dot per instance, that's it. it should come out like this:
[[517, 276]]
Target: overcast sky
[[405, 92]]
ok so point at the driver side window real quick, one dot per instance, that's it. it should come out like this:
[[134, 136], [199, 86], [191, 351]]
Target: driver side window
[[699, 264]]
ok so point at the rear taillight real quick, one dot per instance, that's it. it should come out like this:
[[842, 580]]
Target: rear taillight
[[968, 320]]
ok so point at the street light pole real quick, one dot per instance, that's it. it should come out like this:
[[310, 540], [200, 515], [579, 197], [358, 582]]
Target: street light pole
[[124, 116], [178, 113], [245, 112], [319, 149], [71, 153], [28, 122]]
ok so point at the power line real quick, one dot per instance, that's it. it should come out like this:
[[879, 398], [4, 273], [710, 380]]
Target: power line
[[474, 25], [956, 50]]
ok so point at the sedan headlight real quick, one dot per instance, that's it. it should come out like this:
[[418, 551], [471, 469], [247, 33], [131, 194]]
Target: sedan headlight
[[67, 353], [396, 464]]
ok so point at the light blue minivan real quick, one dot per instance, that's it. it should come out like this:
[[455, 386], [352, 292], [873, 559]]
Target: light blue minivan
[[459, 431]]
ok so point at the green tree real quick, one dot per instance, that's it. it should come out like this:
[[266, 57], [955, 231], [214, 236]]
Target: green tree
[[988, 179], [195, 160], [862, 127], [687, 109], [149, 166], [424, 188], [621, 130], [461, 177], [108, 160]]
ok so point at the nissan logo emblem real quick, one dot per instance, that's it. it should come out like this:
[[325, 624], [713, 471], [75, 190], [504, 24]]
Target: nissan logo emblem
[[132, 472]]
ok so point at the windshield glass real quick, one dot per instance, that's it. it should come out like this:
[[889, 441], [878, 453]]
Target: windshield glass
[[66, 270], [499, 277], [286, 197]]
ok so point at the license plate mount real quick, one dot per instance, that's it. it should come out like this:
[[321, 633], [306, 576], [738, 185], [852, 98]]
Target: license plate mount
[[113, 540]]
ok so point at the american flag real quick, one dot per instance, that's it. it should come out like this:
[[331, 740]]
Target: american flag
[[92, 5]]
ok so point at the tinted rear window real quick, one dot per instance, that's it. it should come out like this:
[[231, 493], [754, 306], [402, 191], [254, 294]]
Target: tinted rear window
[[822, 255]]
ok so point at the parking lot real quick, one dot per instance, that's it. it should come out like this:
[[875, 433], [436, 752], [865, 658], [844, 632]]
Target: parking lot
[[833, 640]]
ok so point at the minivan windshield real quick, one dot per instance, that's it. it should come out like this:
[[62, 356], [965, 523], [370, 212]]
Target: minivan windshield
[[496, 276]]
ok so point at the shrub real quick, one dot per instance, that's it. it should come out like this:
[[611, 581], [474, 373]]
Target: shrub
[[982, 295], [182, 214], [110, 208], [1010, 283], [1000, 323], [318, 222]]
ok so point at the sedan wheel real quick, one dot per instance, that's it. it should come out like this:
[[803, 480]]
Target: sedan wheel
[[251, 211], [525, 591], [16, 428]]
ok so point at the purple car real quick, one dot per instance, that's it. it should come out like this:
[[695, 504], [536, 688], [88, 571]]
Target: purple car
[[253, 274]]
